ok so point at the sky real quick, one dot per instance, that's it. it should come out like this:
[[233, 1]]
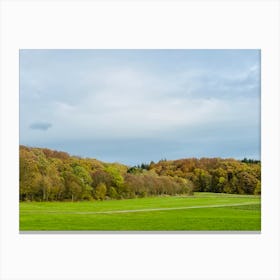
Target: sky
[[134, 106]]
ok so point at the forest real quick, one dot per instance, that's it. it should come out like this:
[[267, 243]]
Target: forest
[[49, 175]]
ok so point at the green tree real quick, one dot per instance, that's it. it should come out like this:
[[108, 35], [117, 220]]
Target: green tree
[[100, 191], [117, 180], [113, 193], [85, 181], [73, 187]]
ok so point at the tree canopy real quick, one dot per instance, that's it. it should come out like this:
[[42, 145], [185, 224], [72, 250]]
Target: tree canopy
[[48, 175]]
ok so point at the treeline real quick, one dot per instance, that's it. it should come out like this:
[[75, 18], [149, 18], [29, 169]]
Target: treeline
[[47, 175], [215, 174]]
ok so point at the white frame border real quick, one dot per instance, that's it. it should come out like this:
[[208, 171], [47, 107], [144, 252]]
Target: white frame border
[[190, 24]]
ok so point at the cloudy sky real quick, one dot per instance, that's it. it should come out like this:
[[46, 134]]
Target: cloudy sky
[[134, 106]]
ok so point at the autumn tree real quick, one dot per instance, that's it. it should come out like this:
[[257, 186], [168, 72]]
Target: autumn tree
[[100, 191], [52, 175]]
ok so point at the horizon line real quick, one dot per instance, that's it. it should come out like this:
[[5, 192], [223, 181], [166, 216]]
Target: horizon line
[[163, 159]]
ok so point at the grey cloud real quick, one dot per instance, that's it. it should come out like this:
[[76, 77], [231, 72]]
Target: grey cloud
[[185, 108], [40, 126]]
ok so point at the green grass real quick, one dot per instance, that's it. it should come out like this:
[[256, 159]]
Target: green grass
[[203, 211]]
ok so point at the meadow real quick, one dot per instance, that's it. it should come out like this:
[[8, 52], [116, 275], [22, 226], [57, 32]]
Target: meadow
[[200, 212]]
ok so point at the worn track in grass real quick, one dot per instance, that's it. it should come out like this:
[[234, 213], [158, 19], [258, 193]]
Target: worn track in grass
[[200, 212]]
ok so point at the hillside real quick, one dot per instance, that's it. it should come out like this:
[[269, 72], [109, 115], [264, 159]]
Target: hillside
[[48, 175]]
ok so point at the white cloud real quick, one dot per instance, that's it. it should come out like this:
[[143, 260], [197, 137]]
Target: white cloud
[[131, 104]]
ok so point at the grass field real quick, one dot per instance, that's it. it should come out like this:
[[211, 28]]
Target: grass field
[[201, 212]]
